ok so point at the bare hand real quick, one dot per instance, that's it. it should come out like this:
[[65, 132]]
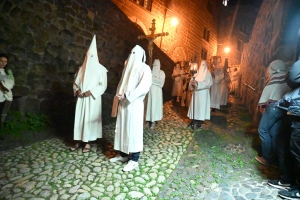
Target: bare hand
[[87, 94], [121, 97], [194, 83]]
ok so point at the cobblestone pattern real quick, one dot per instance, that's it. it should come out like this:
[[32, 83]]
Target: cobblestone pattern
[[219, 162], [215, 162], [48, 170]]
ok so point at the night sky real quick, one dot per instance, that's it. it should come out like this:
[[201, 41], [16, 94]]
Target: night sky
[[245, 2]]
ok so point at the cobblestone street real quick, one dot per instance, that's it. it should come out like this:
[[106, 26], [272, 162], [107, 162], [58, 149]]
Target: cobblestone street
[[216, 162]]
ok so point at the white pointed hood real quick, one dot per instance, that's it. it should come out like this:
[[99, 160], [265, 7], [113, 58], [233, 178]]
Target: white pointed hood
[[202, 71], [136, 58], [156, 67], [90, 69]]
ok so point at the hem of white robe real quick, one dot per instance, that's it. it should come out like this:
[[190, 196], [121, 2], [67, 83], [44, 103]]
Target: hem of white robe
[[90, 140], [215, 106], [129, 151]]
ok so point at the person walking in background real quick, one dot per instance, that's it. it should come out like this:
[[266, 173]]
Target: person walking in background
[[224, 85], [235, 77], [7, 82], [178, 82], [135, 83], [271, 120], [199, 108], [90, 83], [155, 95], [215, 90]]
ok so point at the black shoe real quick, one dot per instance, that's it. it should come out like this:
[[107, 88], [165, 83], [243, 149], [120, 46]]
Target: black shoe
[[190, 125], [293, 193], [279, 184], [199, 125]]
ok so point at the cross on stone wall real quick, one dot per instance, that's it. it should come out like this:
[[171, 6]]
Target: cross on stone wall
[[151, 39]]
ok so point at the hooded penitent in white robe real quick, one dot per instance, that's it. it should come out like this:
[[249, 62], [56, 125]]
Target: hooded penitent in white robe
[[155, 95], [235, 81], [202, 97], [224, 89], [135, 83], [177, 75], [276, 87], [92, 76], [215, 90]]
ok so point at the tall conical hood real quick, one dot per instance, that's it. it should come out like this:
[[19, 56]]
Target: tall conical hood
[[93, 47], [90, 69], [156, 67]]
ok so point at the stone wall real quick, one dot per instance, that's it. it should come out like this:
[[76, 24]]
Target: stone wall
[[185, 42], [46, 41], [274, 36]]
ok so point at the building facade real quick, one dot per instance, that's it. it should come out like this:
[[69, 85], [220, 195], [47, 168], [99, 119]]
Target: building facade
[[195, 37]]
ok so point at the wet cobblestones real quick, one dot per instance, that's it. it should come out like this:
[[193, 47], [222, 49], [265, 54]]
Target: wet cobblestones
[[216, 162]]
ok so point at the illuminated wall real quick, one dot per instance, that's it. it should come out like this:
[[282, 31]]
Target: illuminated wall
[[187, 40]]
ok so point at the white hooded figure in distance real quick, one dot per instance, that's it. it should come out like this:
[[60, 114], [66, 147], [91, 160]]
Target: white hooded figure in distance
[[215, 90], [89, 84], [235, 77], [203, 81], [177, 75], [155, 96], [135, 83]]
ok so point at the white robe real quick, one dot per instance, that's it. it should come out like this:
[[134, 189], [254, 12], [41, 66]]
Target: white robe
[[8, 82], [88, 112], [178, 82], [155, 98], [202, 100], [235, 79], [224, 89], [215, 90], [130, 117]]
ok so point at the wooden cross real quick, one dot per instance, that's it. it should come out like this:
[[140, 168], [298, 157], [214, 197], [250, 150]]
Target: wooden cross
[[151, 39]]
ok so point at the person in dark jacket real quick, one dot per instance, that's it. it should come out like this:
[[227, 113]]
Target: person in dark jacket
[[291, 103]]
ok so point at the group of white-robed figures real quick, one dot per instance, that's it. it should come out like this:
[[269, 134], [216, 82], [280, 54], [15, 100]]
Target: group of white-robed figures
[[137, 80], [205, 91]]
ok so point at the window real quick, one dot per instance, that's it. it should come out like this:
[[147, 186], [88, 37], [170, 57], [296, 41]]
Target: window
[[244, 28], [203, 54], [209, 7], [147, 4], [206, 34], [240, 45]]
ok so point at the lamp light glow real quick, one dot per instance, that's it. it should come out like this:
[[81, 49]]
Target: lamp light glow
[[227, 50], [174, 21]]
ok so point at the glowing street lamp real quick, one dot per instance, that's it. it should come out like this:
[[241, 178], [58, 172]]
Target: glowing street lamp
[[174, 22], [227, 50]]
